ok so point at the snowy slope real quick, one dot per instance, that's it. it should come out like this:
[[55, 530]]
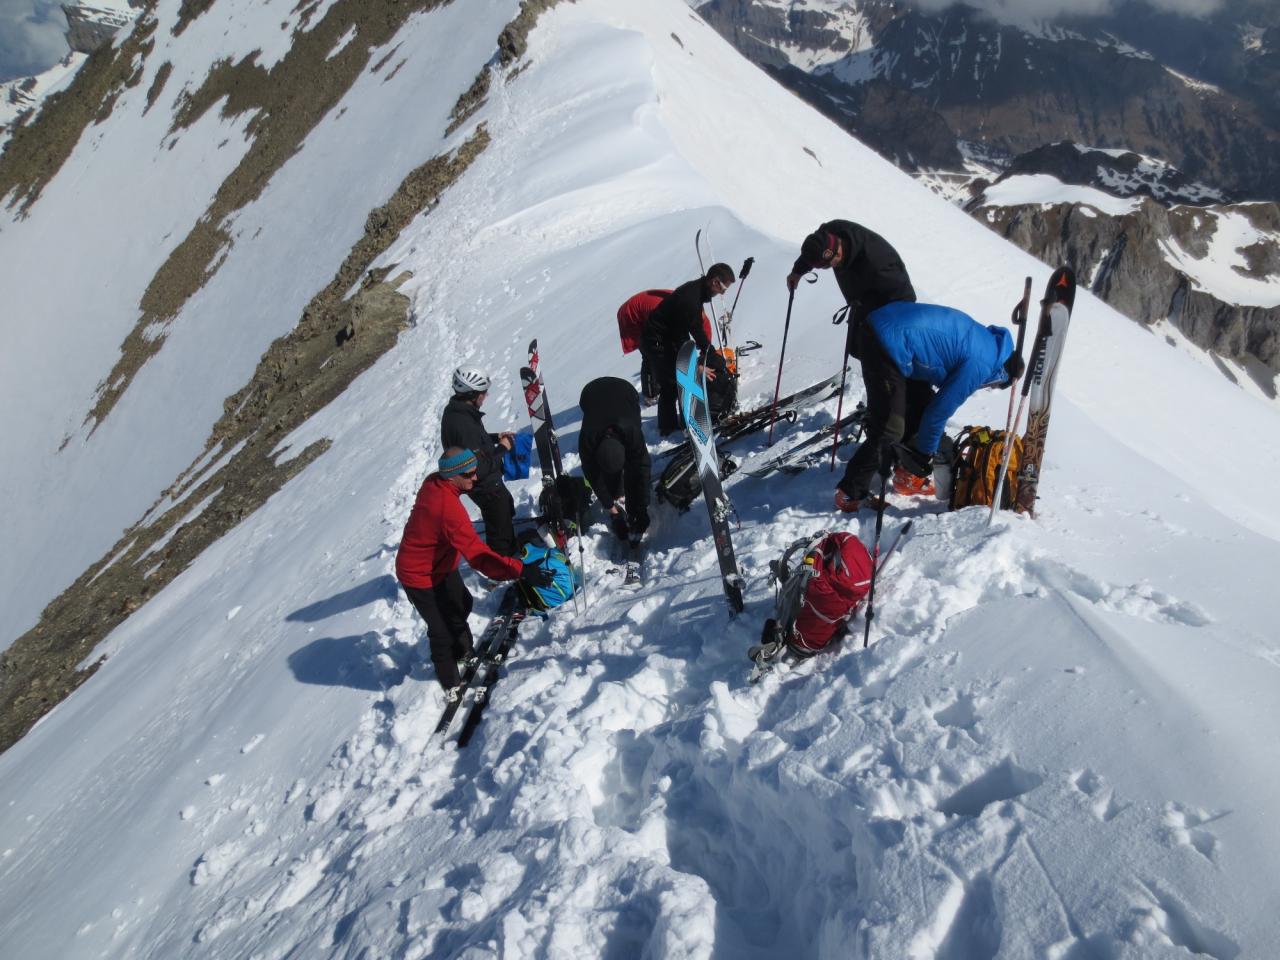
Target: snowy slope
[[1062, 742], [63, 332]]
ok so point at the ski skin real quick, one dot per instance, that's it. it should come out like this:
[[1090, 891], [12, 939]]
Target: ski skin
[[763, 668], [1055, 316], [693, 400], [496, 626]]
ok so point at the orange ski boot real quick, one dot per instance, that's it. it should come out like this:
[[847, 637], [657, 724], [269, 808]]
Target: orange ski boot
[[907, 484]]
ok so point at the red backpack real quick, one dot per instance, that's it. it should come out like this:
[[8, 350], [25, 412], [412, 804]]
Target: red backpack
[[822, 591], [633, 314]]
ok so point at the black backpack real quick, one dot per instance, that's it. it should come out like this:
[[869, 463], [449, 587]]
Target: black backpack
[[680, 484]]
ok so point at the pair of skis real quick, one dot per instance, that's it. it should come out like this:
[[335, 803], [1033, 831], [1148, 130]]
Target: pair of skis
[[747, 422], [1037, 388], [810, 451], [491, 652]]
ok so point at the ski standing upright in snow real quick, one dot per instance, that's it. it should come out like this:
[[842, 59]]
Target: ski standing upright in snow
[[697, 419], [1046, 356], [548, 446], [544, 435]]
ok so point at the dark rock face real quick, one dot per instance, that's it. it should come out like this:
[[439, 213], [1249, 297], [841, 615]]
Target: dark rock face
[[1099, 81], [1124, 174], [1122, 260], [90, 27]]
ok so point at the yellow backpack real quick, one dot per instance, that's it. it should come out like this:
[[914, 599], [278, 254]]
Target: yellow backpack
[[975, 463]]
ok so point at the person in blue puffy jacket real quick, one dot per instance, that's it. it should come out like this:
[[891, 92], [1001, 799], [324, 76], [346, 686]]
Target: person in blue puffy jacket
[[908, 350]]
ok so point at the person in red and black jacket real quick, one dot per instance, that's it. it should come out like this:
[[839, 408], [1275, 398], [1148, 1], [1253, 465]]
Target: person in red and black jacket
[[437, 533], [867, 268], [677, 319]]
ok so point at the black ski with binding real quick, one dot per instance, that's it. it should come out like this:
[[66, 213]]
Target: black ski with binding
[[746, 422], [493, 662], [809, 451], [497, 628]]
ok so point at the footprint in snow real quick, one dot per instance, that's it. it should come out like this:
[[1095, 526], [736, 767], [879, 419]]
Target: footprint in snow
[[1100, 797], [1186, 827]]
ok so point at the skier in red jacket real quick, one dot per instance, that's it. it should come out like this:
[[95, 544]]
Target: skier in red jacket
[[437, 533]]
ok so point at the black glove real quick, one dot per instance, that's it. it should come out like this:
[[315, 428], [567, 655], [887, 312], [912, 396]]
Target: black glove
[[618, 523], [537, 576], [913, 461], [638, 521]]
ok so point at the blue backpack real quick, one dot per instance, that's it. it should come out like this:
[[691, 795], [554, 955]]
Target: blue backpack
[[542, 599]]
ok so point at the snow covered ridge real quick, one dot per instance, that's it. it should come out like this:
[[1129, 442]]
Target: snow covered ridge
[[1053, 745], [344, 327], [22, 98]]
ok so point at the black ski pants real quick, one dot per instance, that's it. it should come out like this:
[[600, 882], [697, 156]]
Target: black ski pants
[[661, 359], [498, 510], [445, 608], [895, 406]]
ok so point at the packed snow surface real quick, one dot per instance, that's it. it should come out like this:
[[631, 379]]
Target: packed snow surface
[[1062, 741]]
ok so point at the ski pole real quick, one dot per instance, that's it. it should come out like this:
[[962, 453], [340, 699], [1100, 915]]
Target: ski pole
[[875, 556], [1011, 424], [742, 278], [835, 427], [777, 387], [582, 562], [702, 271]]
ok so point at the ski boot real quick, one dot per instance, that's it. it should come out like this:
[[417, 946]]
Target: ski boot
[[907, 484]]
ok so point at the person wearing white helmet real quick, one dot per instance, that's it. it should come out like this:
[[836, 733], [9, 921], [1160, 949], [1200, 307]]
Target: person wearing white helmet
[[462, 425]]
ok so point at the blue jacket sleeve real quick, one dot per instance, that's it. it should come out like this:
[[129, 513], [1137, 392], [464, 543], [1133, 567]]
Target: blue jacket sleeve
[[953, 391]]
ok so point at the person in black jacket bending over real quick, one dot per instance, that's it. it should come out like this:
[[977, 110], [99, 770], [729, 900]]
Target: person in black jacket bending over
[[615, 459], [671, 323], [461, 425], [867, 268]]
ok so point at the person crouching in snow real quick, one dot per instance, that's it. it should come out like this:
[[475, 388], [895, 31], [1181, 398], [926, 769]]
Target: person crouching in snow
[[437, 532], [907, 350], [615, 460]]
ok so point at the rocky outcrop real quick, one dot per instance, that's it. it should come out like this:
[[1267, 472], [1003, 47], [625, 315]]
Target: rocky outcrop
[[1121, 174], [1122, 259], [90, 27]]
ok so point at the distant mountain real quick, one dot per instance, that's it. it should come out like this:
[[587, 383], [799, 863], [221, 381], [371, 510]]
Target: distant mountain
[[1200, 95], [1006, 120]]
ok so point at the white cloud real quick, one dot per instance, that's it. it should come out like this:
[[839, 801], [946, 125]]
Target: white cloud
[[1030, 11], [31, 37]]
